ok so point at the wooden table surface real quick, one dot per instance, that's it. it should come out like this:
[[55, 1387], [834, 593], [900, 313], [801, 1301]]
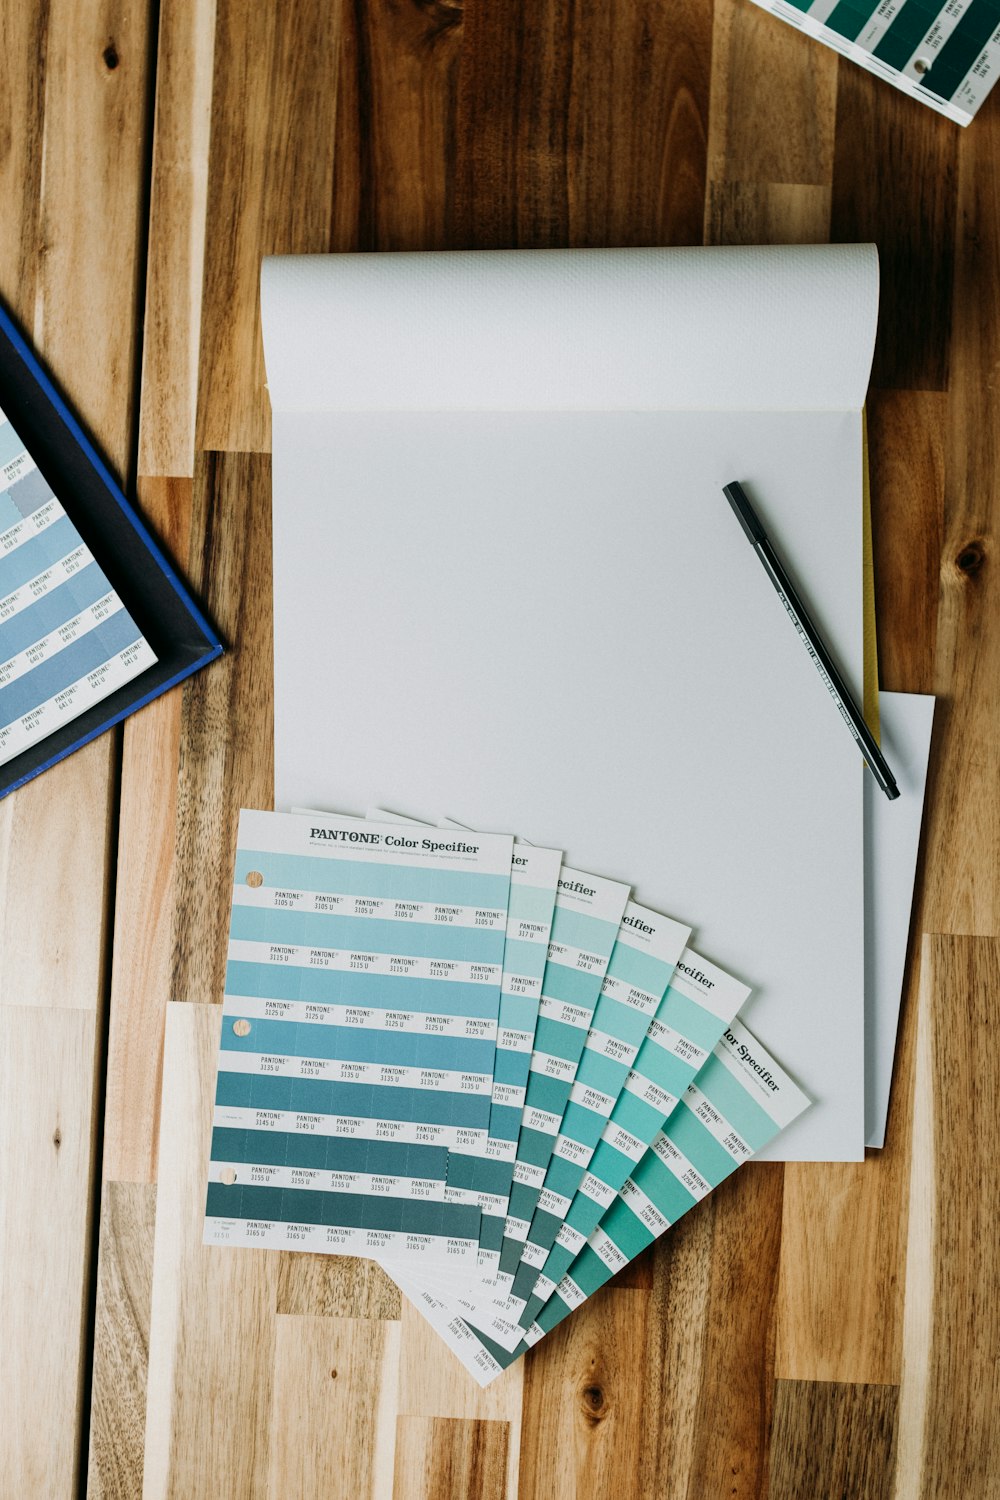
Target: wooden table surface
[[808, 1331]]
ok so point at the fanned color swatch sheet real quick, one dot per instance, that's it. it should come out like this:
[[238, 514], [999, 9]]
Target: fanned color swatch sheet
[[499, 1076], [943, 52], [359, 1036], [66, 640]]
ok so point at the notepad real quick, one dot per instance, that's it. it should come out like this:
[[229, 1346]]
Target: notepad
[[497, 491]]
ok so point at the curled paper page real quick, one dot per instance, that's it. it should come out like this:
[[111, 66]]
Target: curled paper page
[[778, 328]]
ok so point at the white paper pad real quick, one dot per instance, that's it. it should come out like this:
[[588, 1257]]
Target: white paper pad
[[892, 838], [630, 590]]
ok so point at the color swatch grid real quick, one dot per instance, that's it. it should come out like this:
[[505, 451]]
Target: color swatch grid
[[946, 55], [498, 1075], [66, 641]]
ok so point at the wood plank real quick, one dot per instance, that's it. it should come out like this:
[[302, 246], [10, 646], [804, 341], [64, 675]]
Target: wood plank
[[963, 833], [55, 849], [71, 173], [22, 40], [674, 1363], [545, 154], [81, 232], [121, 1341], [842, 1246], [333, 1414], [227, 757], [738, 1354], [768, 213], [47, 1071], [908, 208], [441, 1456], [906, 434], [335, 1286], [781, 133], [212, 1324], [949, 1439], [141, 971], [177, 230], [584, 1408], [508, 184], [636, 175], [832, 1441], [270, 188], [403, 90], [433, 1383]]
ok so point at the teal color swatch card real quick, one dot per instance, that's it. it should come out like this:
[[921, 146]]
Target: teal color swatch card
[[642, 961], [358, 1036], [585, 923], [484, 1178], [740, 1100], [701, 1000], [945, 53], [482, 1175]]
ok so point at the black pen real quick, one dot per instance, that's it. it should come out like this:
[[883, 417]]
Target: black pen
[[799, 616]]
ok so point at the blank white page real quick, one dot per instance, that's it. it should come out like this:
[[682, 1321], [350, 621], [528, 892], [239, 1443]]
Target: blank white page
[[552, 624]]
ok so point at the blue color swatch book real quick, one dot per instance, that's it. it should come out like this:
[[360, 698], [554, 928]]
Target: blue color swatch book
[[94, 622]]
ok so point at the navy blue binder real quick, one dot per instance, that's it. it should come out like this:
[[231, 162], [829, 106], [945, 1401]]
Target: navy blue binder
[[135, 565]]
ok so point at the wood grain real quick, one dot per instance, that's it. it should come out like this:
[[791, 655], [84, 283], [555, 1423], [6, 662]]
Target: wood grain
[[675, 1358], [842, 1243], [584, 1409], [178, 227], [334, 1286], [54, 911], [47, 1072], [906, 455], [72, 176], [637, 177], [543, 154], [141, 972], [833, 1441], [323, 1440], [782, 132], [432, 1383], [949, 1439], [272, 132], [226, 759], [908, 208], [439, 1456], [963, 836], [733, 1416], [121, 1341], [212, 1323], [770, 213]]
